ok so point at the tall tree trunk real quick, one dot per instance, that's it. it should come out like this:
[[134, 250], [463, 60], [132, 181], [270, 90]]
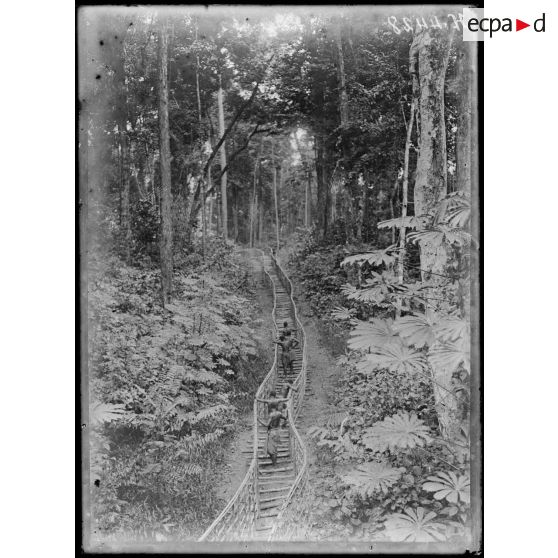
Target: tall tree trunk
[[223, 160], [165, 157], [405, 201], [261, 217], [125, 187], [464, 137], [308, 199], [201, 140], [254, 202], [343, 97], [275, 197], [429, 59], [321, 183]]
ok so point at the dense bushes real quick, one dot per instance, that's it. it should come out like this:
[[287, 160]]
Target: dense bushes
[[384, 472], [166, 385]]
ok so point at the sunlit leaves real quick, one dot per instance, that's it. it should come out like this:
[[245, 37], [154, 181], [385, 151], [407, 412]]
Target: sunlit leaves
[[375, 258], [372, 335], [342, 313], [106, 412], [414, 526], [449, 486], [409, 222], [395, 357], [450, 356], [439, 235], [400, 431], [457, 209], [372, 477], [417, 330]]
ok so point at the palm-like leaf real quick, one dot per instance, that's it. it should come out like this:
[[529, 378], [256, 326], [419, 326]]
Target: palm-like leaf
[[440, 234], [409, 222], [106, 412], [397, 432], [375, 334], [372, 476], [450, 356], [377, 258], [397, 357], [417, 330], [457, 210], [414, 526], [449, 486], [342, 313], [451, 329]]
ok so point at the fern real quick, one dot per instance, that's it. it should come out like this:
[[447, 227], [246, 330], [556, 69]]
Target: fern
[[449, 486], [414, 526], [400, 431], [204, 377], [371, 477], [191, 469], [336, 419], [209, 412]]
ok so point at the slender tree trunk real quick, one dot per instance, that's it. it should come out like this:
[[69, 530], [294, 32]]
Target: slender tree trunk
[[223, 160], [429, 59], [404, 202], [321, 184], [165, 156], [343, 97], [254, 202], [201, 139], [261, 219], [275, 197], [463, 147], [308, 199]]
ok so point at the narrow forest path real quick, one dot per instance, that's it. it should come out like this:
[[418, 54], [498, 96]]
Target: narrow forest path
[[235, 465]]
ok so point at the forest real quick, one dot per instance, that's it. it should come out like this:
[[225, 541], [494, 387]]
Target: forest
[[341, 141]]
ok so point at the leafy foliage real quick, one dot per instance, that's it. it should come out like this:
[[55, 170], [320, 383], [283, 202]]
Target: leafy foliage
[[395, 357], [372, 476], [375, 334], [400, 431], [414, 526], [449, 486], [376, 258]]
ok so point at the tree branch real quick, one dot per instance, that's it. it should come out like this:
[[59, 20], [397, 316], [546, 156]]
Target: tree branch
[[235, 119]]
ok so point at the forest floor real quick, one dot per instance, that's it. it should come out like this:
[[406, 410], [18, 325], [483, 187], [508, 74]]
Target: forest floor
[[233, 469]]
